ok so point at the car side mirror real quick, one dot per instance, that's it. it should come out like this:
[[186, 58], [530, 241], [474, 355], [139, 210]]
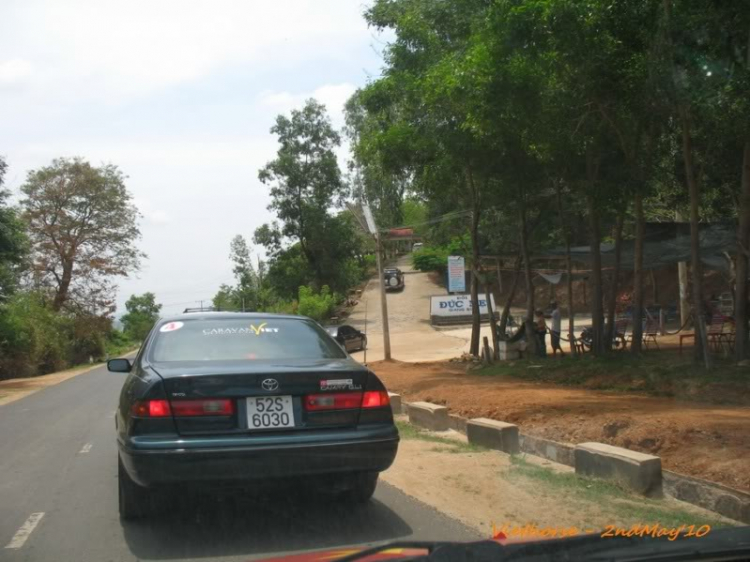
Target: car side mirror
[[119, 365]]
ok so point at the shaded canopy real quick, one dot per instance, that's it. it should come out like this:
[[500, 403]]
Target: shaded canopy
[[664, 244]]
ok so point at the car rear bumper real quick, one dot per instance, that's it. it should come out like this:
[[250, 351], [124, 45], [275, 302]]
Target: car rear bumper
[[156, 462]]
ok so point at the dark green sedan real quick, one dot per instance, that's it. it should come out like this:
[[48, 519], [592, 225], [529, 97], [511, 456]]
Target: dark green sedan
[[237, 398]]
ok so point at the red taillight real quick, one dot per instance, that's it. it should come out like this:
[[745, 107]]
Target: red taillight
[[375, 399], [212, 407], [151, 409], [180, 408], [333, 401]]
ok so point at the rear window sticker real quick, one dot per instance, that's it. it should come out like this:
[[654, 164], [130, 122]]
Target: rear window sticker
[[250, 331], [171, 326]]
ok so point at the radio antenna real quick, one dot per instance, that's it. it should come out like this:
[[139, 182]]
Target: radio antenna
[[365, 358]]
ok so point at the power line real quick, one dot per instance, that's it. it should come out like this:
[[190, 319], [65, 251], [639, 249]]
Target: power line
[[441, 218]]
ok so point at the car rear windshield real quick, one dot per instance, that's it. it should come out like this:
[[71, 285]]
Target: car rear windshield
[[242, 339]]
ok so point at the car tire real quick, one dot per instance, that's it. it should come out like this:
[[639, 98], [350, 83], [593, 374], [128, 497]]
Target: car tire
[[132, 497], [362, 488]]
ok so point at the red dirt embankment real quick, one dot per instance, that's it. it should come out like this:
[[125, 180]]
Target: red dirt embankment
[[703, 440]]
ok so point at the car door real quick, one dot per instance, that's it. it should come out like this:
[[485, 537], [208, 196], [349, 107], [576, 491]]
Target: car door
[[347, 334], [358, 339]]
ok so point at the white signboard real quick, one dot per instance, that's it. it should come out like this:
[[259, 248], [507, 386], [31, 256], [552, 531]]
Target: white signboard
[[457, 305], [456, 275], [368, 218]]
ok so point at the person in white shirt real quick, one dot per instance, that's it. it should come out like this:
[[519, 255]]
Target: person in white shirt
[[555, 329]]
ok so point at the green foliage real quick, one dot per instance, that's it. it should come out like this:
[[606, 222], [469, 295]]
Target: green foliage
[[33, 338], [435, 258], [317, 306], [142, 313], [13, 242], [118, 343], [251, 292], [431, 259]]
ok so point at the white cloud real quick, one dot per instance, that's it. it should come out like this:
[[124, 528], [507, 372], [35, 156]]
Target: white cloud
[[113, 50], [333, 96], [15, 71], [150, 213]]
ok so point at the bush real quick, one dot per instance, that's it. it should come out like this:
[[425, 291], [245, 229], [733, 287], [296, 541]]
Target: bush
[[34, 340], [431, 259], [318, 307], [117, 343]]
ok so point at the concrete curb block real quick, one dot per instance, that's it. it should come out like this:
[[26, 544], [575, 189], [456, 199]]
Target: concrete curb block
[[493, 434], [539, 447], [720, 499], [395, 400], [638, 471], [708, 495], [429, 416], [457, 423]]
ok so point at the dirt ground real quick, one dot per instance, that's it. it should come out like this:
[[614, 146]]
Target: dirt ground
[[412, 336], [482, 488], [702, 440]]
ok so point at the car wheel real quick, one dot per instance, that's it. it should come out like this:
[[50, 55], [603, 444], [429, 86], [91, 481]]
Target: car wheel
[[132, 497], [362, 488]]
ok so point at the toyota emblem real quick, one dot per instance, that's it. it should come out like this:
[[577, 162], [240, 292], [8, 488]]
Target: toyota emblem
[[270, 384]]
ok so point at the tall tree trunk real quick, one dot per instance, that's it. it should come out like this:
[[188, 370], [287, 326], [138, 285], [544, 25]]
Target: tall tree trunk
[[743, 241], [61, 295], [597, 312], [511, 296], [568, 269], [475, 315], [741, 269], [612, 301], [701, 341], [640, 227], [530, 332], [682, 279], [491, 314]]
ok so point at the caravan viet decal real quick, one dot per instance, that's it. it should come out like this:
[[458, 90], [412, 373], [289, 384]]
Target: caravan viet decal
[[252, 330]]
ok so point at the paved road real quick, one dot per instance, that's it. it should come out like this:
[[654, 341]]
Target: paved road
[[58, 457]]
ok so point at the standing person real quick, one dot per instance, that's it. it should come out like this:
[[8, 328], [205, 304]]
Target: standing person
[[540, 327], [554, 333]]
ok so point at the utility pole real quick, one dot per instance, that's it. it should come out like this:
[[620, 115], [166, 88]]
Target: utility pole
[[381, 282], [383, 302]]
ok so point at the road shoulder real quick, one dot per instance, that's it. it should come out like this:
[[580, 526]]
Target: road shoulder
[[15, 389], [482, 488]]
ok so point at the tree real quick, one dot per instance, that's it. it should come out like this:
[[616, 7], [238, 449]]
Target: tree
[[246, 295], [142, 314], [83, 228], [13, 242], [305, 183]]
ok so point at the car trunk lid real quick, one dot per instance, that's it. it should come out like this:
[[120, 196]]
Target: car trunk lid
[[268, 396]]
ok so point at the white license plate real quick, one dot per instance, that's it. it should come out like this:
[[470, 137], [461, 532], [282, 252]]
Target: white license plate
[[270, 412]]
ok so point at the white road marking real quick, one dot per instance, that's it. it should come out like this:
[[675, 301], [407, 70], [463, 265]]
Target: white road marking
[[86, 448], [23, 533]]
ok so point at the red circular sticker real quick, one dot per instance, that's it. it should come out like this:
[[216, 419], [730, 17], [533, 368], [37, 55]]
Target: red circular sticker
[[171, 327]]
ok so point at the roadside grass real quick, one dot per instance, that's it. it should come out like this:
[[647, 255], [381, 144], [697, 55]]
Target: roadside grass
[[409, 431], [622, 504], [657, 373]]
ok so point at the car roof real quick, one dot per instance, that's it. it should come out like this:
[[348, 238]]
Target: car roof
[[230, 316]]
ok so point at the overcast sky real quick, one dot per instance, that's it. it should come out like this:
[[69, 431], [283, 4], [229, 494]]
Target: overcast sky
[[180, 94]]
